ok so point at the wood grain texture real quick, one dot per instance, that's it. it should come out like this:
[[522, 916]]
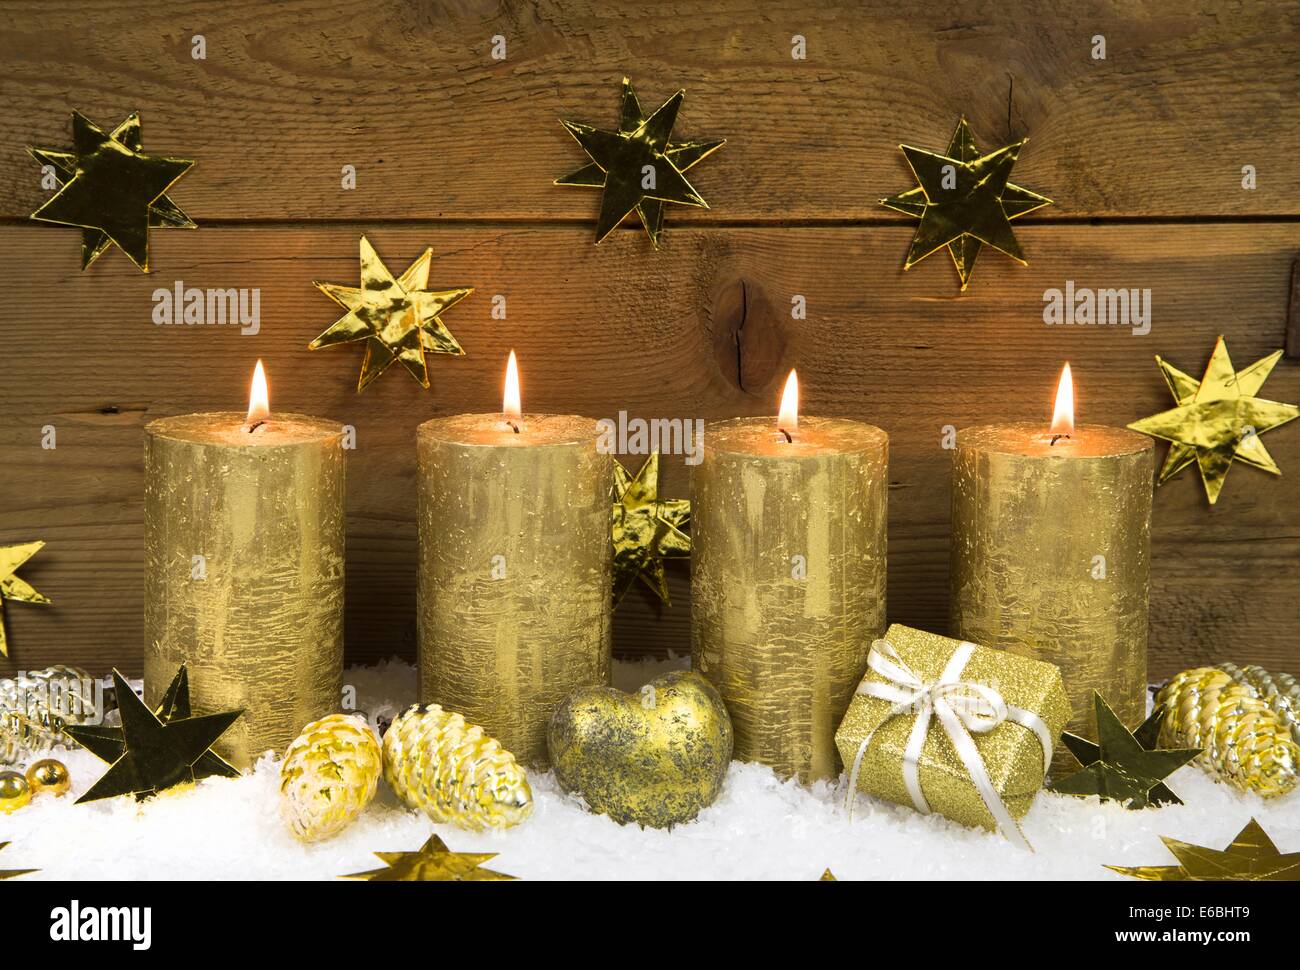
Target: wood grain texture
[[604, 329], [407, 91]]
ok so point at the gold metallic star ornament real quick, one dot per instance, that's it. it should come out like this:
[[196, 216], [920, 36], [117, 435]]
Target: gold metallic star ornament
[[10, 873], [112, 190], [1252, 857], [397, 317], [1218, 419], [639, 166], [964, 201], [646, 529], [13, 588], [153, 751], [432, 862], [1123, 766]]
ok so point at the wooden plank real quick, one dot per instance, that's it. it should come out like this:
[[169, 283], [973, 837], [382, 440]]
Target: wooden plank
[[408, 93], [599, 331]]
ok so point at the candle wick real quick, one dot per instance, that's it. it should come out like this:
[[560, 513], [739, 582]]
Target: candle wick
[[249, 429], [1058, 437], [788, 439], [514, 427]]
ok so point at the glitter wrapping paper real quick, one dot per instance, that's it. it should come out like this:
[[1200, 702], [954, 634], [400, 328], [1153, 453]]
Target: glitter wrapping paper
[[514, 589], [1028, 521], [786, 653], [1012, 754], [263, 632]]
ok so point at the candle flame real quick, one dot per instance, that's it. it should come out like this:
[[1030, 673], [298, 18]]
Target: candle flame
[[1063, 413], [788, 419], [510, 403], [259, 398]]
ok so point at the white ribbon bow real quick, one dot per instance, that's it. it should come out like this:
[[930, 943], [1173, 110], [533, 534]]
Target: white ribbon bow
[[963, 708]]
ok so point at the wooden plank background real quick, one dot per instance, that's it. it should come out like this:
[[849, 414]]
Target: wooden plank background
[[1142, 151]]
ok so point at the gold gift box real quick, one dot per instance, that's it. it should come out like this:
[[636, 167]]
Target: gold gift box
[[1012, 754]]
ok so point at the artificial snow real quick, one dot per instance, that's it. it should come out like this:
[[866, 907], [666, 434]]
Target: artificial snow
[[759, 828]]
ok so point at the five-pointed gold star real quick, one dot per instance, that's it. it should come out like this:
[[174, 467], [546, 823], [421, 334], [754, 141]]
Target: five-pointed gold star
[[1123, 766], [1218, 419], [964, 201], [1252, 856], [396, 317], [13, 588], [112, 190], [10, 873], [680, 156], [646, 529], [432, 862], [155, 754]]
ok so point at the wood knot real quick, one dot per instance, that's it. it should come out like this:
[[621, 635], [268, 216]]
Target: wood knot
[[749, 334]]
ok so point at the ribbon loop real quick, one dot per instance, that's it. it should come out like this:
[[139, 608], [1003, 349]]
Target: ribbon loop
[[962, 707]]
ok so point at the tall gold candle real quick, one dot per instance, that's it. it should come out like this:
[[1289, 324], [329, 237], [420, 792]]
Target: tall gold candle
[[1051, 552], [514, 568], [244, 531], [788, 578]]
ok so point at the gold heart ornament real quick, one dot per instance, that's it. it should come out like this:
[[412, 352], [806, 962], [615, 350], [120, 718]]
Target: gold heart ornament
[[656, 757]]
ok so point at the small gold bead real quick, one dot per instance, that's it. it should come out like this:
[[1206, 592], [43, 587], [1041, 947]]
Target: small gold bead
[[49, 775], [14, 791]]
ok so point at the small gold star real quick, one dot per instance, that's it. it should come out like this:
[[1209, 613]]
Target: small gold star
[[112, 190], [638, 166], [396, 317], [1123, 766], [964, 201], [432, 862], [13, 588], [1218, 420], [1252, 857], [646, 530]]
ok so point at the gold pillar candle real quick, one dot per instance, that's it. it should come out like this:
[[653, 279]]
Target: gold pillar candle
[[514, 588], [244, 531], [1051, 552], [788, 579]]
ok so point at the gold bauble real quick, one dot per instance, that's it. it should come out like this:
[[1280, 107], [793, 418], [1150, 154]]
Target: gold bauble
[[329, 775], [454, 772], [49, 775], [14, 791], [656, 757], [1244, 742]]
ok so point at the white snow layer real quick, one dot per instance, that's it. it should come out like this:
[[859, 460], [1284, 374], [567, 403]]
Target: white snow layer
[[759, 828]]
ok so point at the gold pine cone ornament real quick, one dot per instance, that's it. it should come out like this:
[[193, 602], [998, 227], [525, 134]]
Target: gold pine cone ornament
[[453, 771], [329, 775], [1244, 741]]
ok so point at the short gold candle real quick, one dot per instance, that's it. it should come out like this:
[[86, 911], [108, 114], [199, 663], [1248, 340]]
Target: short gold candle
[[788, 580], [514, 570], [1051, 556], [258, 619]]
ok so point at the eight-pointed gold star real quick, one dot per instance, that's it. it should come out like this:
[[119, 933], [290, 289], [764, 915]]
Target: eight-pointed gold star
[[1123, 766], [432, 862], [1218, 419], [640, 163], [646, 529], [1252, 856], [681, 154], [13, 588], [155, 754], [396, 317], [964, 201], [112, 190]]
